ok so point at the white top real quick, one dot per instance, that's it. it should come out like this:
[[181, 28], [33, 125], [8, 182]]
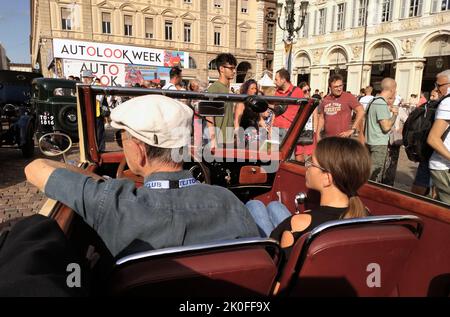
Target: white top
[[364, 101], [437, 162], [170, 86]]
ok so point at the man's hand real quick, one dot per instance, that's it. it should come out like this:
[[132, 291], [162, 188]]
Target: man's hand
[[346, 134]]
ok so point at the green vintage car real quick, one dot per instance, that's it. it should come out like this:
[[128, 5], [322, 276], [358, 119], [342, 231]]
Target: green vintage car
[[55, 104]]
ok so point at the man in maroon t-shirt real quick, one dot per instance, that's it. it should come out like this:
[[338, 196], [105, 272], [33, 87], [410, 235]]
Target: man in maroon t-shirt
[[335, 111], [285, 89]]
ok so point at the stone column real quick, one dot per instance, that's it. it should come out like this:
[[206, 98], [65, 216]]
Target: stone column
[[319, 77], [408, 75], [202, 62], [354, 80], [260, 32]]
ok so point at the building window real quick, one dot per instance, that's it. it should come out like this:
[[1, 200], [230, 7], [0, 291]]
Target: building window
[[243, 39], [66, 21], [106, 23], [192, 63], [149, 28], [304, 30], [322, 18], [217, 35], [244, 6], [440, 5], [415, 8], [362, 12], [128, 25], [168, 28], [187, 32], [386, 10], [270, 35], [212, 65], [269, 64], [340, 23], [217, 3]]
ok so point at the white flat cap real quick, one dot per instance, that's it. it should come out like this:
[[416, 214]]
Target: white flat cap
[[156, 120]]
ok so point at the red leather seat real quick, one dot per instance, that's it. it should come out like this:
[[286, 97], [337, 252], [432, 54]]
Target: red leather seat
[[241, 267], [352, 257]]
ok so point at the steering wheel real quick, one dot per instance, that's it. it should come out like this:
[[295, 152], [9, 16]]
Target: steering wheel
[[198, 169]]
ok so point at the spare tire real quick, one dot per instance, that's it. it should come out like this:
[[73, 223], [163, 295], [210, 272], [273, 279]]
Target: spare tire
[[67, 118]]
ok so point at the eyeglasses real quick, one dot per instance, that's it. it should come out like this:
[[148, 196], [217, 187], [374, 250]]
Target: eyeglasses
[[437, 86], [338, 86], [230, 67], [309, 163], [306, 90]]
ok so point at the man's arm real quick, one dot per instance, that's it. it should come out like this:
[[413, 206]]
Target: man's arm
[[238, 115], [434, 137], [320, 125], [39, 171]]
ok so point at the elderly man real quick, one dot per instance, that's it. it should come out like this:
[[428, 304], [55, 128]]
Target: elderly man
[[171, 209], [439, 139]]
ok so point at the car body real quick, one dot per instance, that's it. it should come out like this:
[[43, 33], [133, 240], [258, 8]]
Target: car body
[[16, 115], [54, 102], [406, 238]]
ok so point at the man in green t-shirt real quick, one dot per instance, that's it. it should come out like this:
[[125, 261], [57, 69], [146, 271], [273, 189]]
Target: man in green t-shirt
[[226, 66], [379, 124]]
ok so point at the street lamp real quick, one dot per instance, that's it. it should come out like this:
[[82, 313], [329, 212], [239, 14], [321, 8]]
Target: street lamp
[[289, 25]]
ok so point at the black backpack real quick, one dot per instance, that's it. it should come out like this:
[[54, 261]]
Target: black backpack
[[416, 130]]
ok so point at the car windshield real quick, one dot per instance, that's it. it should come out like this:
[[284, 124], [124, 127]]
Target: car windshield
[[261, 132], [66, 92]]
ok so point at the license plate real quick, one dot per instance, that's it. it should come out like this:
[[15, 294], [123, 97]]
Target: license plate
[[47, 119]]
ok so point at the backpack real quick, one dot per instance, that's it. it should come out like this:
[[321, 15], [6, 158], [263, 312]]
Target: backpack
[[416, 130]]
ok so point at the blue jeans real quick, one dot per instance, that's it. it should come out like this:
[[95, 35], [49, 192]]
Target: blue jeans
[[267, 218]]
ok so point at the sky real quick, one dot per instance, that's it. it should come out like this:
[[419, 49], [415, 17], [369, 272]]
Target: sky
[[15, 29]]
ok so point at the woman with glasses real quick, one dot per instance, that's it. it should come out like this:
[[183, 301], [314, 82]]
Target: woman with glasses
[[338, 168]]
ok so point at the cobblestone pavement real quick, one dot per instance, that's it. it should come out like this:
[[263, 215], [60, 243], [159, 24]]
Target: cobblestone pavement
[[18, 198]]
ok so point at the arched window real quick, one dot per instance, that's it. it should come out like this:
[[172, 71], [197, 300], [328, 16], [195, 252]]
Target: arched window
[[212, 65]]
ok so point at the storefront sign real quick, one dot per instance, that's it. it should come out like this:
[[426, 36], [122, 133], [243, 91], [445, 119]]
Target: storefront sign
[[111, 53]]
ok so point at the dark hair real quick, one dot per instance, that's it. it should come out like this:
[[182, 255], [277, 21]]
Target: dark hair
[[283, 73], [225, 58], [348, 161], [362, 91], [316, 91], [245, 86], [175, 72], [302, 84], [334, 78]]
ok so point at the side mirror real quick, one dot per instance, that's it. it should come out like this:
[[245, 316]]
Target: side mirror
[[54, 144], [210, 108], [258, 105]]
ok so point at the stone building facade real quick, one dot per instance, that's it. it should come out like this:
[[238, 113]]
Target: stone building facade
[[201, 28], [366, 40]]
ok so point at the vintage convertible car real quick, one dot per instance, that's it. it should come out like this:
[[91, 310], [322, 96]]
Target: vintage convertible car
[[400, 250]]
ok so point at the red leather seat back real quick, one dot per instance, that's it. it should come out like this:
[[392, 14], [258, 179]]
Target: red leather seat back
[[362, 260], [245, 271]]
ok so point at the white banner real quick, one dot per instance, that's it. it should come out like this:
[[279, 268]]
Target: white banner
[[112, 53], [110, 74]]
